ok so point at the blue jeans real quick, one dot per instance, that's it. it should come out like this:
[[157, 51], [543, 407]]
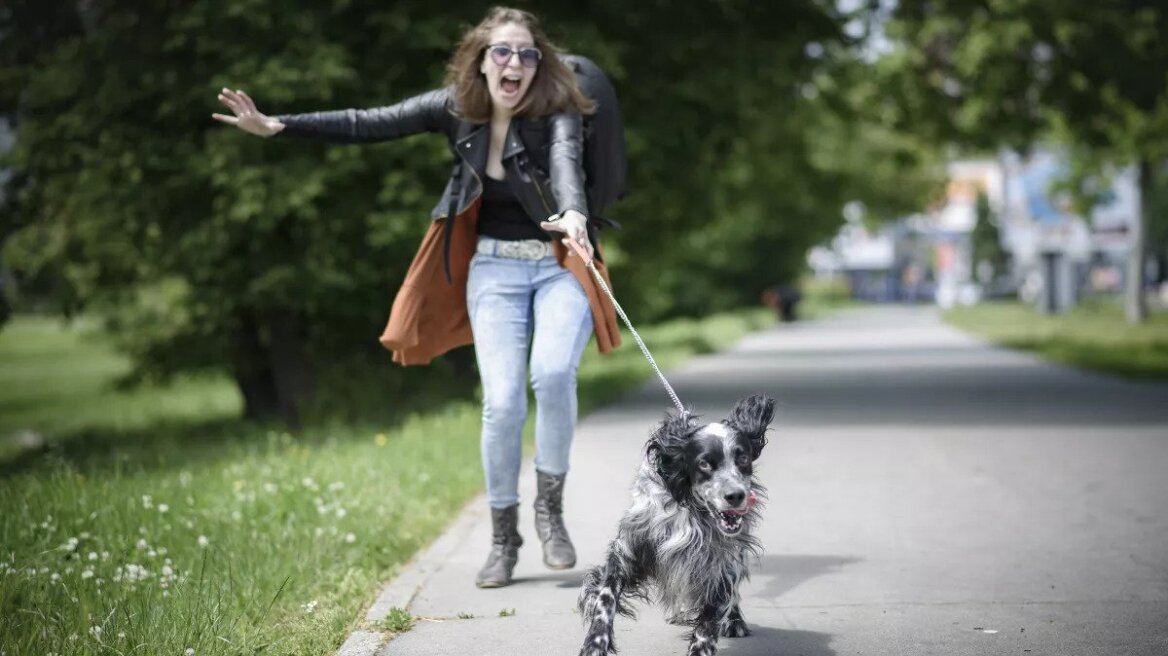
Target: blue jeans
[[521, 309]]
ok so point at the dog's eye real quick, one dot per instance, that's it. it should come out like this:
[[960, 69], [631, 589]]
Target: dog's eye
[[743, 459], [704, 465]]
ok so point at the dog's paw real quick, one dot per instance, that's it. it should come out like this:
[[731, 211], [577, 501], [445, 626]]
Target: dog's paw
[[735, 628]]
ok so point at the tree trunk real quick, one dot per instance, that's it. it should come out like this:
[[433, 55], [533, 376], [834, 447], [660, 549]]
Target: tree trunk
[[292, 371], [271, 367], [252, 372], [1135, 304]]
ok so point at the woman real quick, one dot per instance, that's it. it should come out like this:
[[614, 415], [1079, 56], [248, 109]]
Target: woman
[[488, 270]]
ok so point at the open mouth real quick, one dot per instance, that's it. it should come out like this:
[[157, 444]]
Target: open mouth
[[509, 84], [730, 521]]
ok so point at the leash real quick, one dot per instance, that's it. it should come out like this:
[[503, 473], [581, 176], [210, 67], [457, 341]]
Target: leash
[[624, 317]]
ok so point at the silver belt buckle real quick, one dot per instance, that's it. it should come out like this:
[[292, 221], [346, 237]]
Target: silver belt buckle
[[527, 249]]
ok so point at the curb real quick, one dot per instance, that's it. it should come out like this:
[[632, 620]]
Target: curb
[[401, 590]]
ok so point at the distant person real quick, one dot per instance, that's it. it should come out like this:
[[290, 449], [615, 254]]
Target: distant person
[[488, 269]]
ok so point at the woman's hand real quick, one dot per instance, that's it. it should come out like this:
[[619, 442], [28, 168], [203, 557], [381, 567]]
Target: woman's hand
[[575, 226], [247, 117]]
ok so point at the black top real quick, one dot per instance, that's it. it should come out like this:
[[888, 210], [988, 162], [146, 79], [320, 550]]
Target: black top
[[502, 216]]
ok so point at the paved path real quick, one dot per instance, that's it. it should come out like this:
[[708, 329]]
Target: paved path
[[930, 494]]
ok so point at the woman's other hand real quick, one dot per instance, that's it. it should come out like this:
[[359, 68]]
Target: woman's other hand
[[246, 116], [575, 226]]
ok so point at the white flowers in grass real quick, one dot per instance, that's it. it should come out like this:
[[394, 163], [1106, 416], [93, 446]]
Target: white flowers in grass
[[350, 538], [131, 573], [162, 508], [70, 544], [95, 631], [189, 652], [147, 501], [310, 607], [204, 542], [87, 574]]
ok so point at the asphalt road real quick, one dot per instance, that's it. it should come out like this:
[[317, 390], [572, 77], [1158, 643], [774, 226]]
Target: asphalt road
[[929, 494]]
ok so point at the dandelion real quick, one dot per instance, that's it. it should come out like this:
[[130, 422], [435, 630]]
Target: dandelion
[[55, 577], [87, 574], [309, 607], [162, 507], [92, 555], [142, 545], [147, 502], [95, 631], [203, 541], [189, 652], [105, 555], [350, 538], [162, 552], [70, 544], [341, 512]]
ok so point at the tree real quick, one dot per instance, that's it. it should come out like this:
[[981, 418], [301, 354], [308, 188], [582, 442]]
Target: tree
[[277, 260], [989, 72]]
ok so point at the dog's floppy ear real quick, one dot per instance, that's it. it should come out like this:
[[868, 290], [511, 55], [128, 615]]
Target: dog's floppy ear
[[666, 450], [751, 417]]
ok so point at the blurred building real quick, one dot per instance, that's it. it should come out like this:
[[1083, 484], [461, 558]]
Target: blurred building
[[1053, 256]]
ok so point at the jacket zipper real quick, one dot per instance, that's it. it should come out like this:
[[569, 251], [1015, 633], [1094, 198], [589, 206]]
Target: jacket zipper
[[539, 190]]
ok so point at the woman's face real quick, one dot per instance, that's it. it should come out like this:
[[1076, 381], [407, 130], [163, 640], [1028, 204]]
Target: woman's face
[[509, 63]]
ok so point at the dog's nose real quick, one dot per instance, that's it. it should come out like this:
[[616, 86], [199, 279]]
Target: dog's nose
[[736, 498]]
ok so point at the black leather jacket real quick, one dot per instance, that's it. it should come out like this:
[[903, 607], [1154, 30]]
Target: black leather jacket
[[543, 156]]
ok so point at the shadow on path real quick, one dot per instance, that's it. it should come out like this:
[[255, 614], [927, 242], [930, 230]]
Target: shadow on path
[[765, 641], [777, 575]]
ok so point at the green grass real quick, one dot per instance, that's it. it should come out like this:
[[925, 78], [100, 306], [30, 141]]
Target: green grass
[[153, 523], [58, 379], [1093, 336]]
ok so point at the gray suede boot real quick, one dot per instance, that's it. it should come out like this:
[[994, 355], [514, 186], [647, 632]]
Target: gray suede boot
[[558, 552], [505, 544]]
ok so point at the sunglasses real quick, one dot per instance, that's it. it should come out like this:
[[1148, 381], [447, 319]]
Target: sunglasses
[[501, 54]]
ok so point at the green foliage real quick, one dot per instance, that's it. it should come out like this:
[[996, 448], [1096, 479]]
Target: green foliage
[[986, 238], [749, 125], [398, 620]]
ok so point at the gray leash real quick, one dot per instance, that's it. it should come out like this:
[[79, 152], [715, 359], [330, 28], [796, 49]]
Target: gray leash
[[624, 317]]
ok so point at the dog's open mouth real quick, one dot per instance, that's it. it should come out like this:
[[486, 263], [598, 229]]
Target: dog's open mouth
[[730, 521]]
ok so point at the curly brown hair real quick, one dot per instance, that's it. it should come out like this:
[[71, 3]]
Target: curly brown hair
[[553, 89]]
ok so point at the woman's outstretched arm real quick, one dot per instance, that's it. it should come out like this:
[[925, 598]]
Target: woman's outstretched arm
[[427, 112]]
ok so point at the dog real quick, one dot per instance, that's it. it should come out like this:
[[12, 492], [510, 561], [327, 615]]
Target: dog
[[687, 533]]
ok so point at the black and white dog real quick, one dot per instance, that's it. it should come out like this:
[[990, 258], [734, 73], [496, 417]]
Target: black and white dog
[[688, 530]]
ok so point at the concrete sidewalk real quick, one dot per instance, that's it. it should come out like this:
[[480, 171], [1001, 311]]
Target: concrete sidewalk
[[929, 494]]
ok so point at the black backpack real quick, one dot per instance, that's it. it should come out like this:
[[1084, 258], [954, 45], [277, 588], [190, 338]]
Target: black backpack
[[605, 162]]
